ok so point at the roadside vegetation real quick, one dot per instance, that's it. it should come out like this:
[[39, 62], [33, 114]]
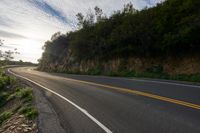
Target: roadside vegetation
[[15, 100], [155, 42], [179, 77], [147, 74]]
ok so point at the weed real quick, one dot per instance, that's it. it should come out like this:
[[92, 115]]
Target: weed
[[29, 112], [3, 98], [4, 116], [24, 93]]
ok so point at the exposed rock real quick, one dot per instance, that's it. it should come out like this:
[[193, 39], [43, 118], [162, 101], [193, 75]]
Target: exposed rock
[[18, 124]]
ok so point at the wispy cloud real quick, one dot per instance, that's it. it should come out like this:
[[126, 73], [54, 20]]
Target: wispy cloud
[[4, 21], [10, 34], [45, 7]]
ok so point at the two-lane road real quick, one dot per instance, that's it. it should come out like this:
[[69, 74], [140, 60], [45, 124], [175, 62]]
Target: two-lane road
[[94, 104]]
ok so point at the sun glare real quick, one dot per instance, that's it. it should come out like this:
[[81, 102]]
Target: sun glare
[[28, 46]]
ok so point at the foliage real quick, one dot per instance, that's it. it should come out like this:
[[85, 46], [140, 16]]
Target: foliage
[[170, 29], [94, 71], [3, 98], [4, 116], [29, 112], [156, 75], [7, 55], [12, 92], [5, 80], [24, 93]]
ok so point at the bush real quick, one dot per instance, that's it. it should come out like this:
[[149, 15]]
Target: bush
[[3, 82], [155, 69], [184, 77], [3, 98], [4, 116], [6, 81], [94, 71], [29, 112], [24, 93]]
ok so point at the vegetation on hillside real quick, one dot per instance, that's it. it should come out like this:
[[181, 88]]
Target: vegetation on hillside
[[15, 99], [170, 29], [20, 62]]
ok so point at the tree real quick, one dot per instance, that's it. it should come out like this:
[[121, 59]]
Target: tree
[[98, 13], [128, 8], [1, 53], [55, 36], [80, 18], [159, 31], [1, 42], [7, 55], [89, 19]]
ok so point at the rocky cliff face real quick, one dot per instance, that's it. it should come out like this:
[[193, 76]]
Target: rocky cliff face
[[184, 65]]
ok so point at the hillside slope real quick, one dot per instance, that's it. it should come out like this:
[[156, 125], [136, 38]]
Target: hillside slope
[[163, 39]]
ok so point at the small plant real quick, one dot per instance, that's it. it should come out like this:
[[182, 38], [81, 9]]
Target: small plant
[[29, 112], [94, 71], [24, 93], [4, 116], [3, 98], [158, 69], [12, 80], [6, 81], [13, 93]]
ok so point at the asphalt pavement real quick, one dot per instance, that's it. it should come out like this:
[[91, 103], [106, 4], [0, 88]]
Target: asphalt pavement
[[95, 104]]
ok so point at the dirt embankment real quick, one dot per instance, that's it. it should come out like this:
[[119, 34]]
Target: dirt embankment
[[173, 66]]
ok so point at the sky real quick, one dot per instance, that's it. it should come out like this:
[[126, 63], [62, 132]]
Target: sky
[[27, 24]]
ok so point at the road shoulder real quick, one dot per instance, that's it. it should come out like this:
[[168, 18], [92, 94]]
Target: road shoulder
[[48, 121]]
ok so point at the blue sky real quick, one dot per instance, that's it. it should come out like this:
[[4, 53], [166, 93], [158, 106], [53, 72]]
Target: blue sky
[[27, 24]]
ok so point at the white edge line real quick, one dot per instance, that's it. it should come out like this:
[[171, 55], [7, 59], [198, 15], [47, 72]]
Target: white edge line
[[152, 81], [72, 103], [163, 82]]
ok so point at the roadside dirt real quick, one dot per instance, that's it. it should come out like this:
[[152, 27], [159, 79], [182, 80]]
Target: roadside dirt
[[47, 120], [18, 124]]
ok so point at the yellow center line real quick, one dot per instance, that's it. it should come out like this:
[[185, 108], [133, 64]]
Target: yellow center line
[[161, 98]]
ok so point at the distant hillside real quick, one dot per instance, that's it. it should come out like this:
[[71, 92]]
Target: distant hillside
[[162, 39], [21, 63]]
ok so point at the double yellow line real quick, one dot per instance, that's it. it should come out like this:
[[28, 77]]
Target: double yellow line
[[161, 98]]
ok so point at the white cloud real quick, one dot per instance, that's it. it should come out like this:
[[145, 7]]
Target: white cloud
[[29, 23]]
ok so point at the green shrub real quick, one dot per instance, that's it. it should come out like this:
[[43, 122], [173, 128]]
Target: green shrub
[[4, 116], [184, 77], [29, 112], [94, 71], [24, 93], [155, 69], [6, 81], [3, 98], [126, 73], [10, 97], [12, 80]]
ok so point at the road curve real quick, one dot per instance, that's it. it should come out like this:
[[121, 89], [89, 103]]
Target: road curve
[[95, 104]]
